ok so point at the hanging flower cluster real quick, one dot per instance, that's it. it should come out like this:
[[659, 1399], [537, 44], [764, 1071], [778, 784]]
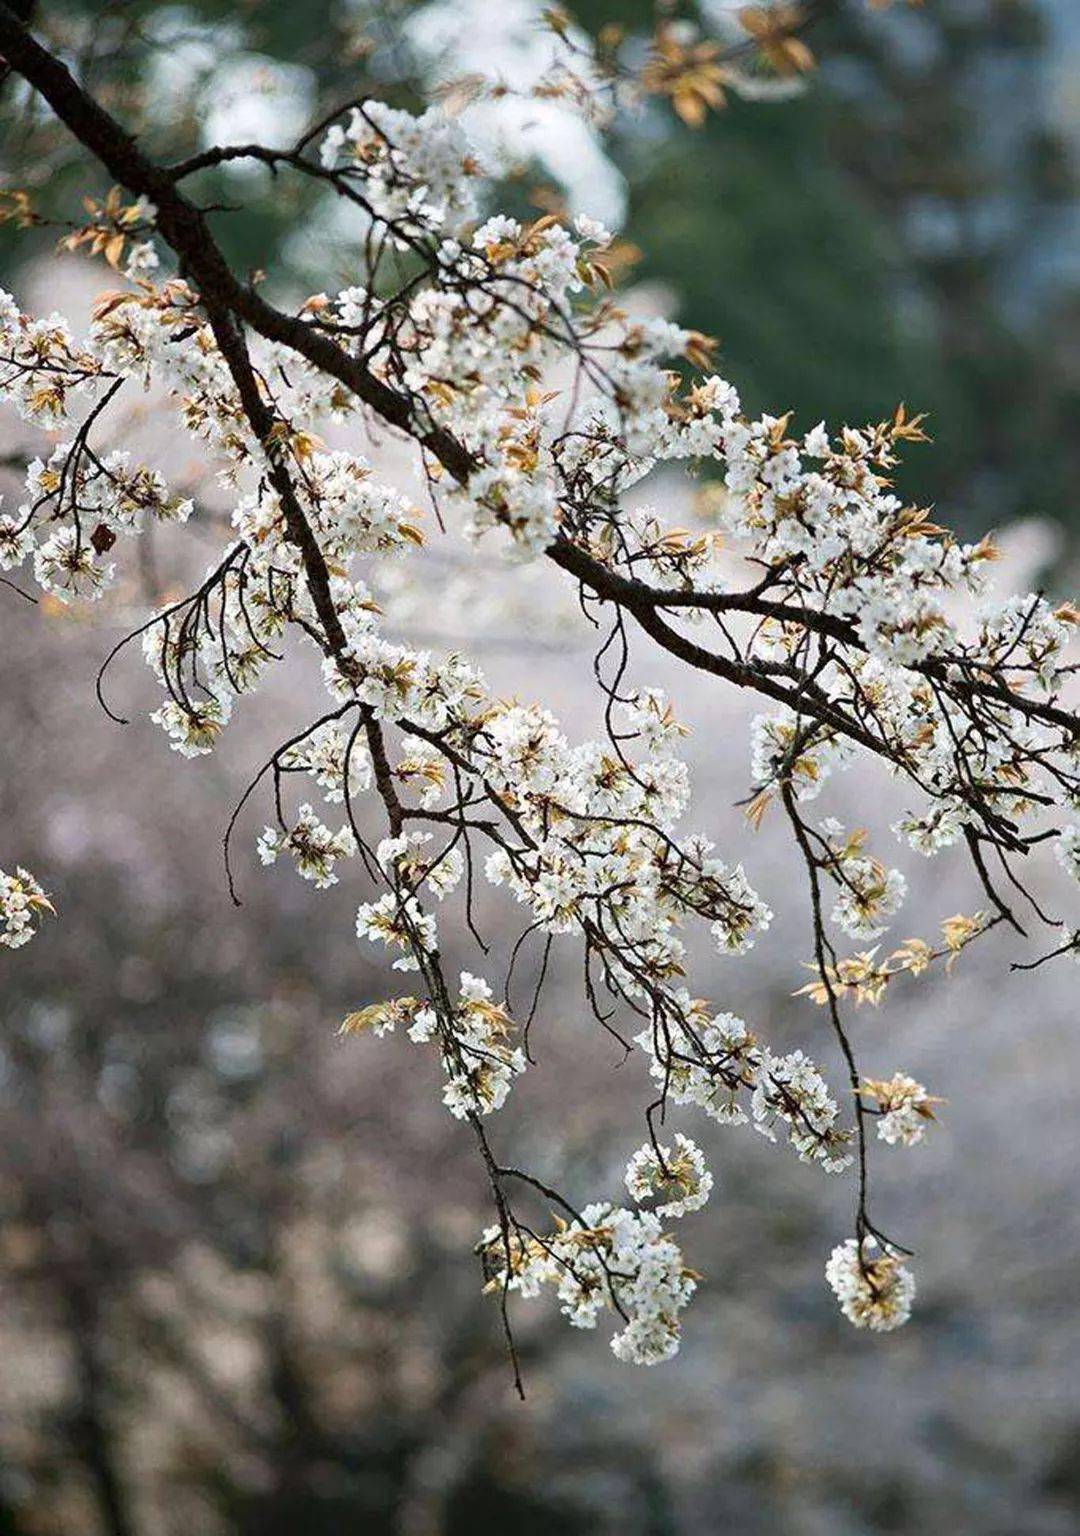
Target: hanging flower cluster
[[875, 1290], [680, 1177], [22, 901], [905, 1107], [314, 848], [474, 1038], [606, 1259]]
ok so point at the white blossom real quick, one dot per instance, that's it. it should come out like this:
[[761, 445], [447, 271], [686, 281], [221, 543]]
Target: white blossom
[[874, 1289], [904, 1106], [314, 848], [679, 1176], [22, 901]]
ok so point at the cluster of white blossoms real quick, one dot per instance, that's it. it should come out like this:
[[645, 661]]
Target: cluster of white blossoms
[[791, 1092], [473, 1036], [22, 901], [398, 923], [852, 634], [904, 1106], [1067, 850], [594, 843], [875, 1290], [607, 1259], [314, 848], [480, 1062], [680, 1177], [870, 894], [77, 506], [40, 365], [193, 725], [719, 1065], [845, 548], [341, 768], [827, 505], [414, 861], [416, 171], [783, 750]]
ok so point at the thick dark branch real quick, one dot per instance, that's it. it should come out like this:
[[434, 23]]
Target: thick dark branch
[[612, 587], [638, 596], [184, 228]]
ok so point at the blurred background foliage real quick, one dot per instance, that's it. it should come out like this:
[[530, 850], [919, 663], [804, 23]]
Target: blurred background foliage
[[235, 1290]]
